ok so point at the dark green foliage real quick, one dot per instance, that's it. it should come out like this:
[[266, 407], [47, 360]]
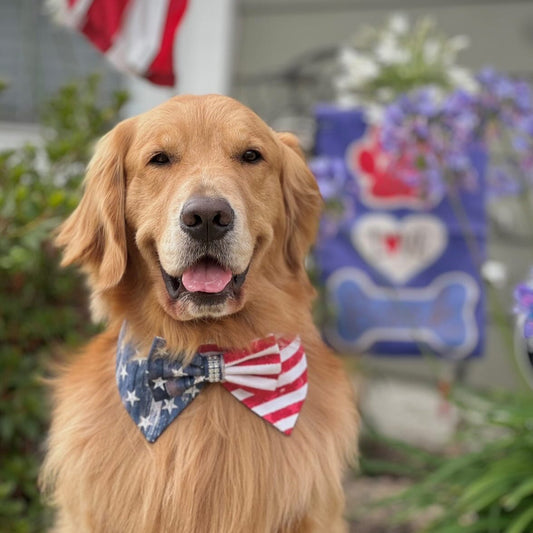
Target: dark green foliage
[[488, 488], [42, 306]]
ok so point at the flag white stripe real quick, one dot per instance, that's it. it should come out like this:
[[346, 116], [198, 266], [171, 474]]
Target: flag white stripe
[[242, 394], [139, 40], [294, 373], [286, 423], [266, 369], [254, 382], [281, 401], [290, 349]]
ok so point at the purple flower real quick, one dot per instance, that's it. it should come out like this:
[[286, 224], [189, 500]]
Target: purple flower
[[425, 103], [504, 88], [394, 114], [520, 143], [523, 296], [321, 168], [487, 76], [458, 161], [523, 97], [434, 135], [528, 327], [457, 103], [526, 124], [336, 188]]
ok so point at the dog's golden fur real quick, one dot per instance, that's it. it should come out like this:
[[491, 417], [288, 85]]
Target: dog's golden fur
[[218, 468]]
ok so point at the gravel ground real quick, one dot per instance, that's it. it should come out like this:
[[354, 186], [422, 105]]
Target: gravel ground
[[361, 493]]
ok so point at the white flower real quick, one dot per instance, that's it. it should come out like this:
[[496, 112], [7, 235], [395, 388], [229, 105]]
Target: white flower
[[389, 52], [347, 100], [399, 23], [373, 68], [453, 46], [460, 77], [385, 94], [438, 94], [360, 68], [495, 273], [374, 113]]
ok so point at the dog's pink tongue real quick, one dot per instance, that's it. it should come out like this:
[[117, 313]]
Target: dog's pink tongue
[[206, 276]]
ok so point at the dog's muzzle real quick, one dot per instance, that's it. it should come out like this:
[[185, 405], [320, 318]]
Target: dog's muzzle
[[209, 272]]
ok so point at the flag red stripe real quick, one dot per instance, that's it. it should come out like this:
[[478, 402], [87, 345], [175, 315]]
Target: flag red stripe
[[161, 71], [286, 366], [293, 360], [103, 21], [271, 358], [259, 345], [235, 356], [284, 413], [262, 397]]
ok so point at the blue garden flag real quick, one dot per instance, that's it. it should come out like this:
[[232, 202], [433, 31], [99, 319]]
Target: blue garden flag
[[401, 272]]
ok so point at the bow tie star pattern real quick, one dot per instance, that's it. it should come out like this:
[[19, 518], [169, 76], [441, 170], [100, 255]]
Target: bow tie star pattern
[[270, 379]]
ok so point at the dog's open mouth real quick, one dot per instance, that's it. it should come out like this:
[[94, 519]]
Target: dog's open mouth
[[207, 281]]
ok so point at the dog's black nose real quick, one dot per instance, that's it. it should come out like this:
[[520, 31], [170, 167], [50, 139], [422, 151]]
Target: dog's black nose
[[206, 219]]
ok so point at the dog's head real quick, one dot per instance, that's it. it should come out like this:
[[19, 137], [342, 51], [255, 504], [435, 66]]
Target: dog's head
[[194, 202]]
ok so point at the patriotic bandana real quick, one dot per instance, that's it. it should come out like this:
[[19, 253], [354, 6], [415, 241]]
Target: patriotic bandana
[[270, 379]]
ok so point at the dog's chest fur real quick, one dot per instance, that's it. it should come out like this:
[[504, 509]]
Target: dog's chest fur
[[217, 468]]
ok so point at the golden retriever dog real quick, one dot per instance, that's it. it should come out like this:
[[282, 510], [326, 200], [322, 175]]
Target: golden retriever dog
[[193, 230]]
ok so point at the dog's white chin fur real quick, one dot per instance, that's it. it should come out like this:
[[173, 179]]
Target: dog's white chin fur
[[212, 311]]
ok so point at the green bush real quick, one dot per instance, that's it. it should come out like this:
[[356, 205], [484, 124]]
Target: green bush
[[42, 307]]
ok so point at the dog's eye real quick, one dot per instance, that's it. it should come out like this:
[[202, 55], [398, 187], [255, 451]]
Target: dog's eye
[[251, 156], [159, 159]]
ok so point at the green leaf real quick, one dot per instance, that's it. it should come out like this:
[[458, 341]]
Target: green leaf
[[521, 522], [514, 498]]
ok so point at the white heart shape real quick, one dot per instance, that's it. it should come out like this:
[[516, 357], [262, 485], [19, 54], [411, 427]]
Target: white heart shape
[[399, 248]]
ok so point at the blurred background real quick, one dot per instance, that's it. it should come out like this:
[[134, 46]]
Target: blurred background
[[417, 120]]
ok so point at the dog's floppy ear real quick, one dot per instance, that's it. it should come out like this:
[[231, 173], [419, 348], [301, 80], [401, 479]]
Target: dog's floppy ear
[[94, 235], [302, 202]]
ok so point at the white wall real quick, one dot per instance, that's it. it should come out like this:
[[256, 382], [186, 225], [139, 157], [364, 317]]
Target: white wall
[[274, 32]]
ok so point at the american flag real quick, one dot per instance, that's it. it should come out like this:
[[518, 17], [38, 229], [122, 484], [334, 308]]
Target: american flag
[[137, 36], [270, 379]]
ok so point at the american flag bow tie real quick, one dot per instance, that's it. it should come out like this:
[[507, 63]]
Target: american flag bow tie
[[270, 378]]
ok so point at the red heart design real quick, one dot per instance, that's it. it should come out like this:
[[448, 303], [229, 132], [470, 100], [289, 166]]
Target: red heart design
[[392, 242]]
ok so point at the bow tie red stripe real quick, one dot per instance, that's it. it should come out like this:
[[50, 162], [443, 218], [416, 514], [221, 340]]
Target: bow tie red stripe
[[266, 348], [279, 407]]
